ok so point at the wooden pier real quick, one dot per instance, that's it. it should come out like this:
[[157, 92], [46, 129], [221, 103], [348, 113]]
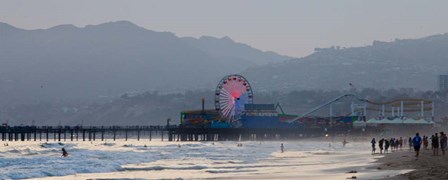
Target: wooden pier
[[240, 134], [163, 133], [77, 133]]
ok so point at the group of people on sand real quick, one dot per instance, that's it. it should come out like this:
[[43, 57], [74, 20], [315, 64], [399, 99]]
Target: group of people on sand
[[438, 141], [384, 144]]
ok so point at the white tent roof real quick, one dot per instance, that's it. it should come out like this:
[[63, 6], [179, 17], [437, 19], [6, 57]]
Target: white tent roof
[[419, 121], [384, 121], [359, 123], [373, 121]]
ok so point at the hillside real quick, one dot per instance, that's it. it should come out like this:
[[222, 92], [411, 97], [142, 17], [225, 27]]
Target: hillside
[[413, 63], [71, 63]]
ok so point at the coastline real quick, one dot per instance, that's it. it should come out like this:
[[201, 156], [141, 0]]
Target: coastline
[[193, 160], [317, 161], [425, 167]]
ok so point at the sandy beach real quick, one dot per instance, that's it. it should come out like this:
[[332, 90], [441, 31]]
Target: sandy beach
[[425, 167]]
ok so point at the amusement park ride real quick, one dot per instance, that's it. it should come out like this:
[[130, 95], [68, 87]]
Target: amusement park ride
[[231, 95], [234, 108]]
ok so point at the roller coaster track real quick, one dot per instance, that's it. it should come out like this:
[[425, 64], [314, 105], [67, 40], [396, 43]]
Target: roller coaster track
[[409, 102], [405, 110]]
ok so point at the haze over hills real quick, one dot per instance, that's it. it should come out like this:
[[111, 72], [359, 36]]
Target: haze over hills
[[106, 60], [66, 65], [71, 63], [413, 63], [231, 52]]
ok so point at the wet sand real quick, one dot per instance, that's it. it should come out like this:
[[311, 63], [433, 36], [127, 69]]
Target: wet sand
[[426, 166]]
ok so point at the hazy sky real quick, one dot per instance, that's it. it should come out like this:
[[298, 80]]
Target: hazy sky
[[290, 27]]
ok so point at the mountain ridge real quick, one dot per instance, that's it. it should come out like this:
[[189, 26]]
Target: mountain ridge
[[408, 63], [111, 59]]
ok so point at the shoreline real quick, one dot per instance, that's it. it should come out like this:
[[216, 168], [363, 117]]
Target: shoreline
[[426, 166], [256, 160]]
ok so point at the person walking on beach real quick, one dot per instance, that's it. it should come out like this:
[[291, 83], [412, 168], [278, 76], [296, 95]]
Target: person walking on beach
[[401, 143], [410, 143], [432, 142], [425, 142], [443, 142], [417, 141], [392, 144], [435, 144], [380, 144], [373, 145], [282, 147], [396, 143], [386, 146]]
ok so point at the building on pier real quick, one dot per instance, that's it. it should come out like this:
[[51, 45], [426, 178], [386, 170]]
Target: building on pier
[[234, 108]]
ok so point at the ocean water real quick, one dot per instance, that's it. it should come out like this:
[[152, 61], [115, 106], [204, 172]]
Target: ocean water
[[186, 160]]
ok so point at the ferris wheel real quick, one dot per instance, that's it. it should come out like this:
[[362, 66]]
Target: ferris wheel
[[232, 93]]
